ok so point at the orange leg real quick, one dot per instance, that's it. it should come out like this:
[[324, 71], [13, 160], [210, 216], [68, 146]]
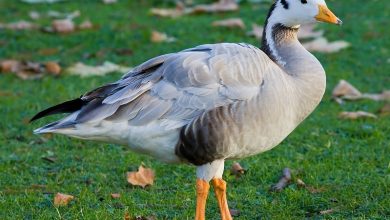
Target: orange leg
[[202, 190], [220, 192]]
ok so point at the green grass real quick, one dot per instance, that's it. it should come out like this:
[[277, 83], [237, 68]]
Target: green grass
[[348, 160]]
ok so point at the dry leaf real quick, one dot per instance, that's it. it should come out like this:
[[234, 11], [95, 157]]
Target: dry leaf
[[257, 31], [158, 37], [169, 12], [127, 216], [346, 91], [60, 15], [324, 212], [220, 6], [115, 195], [384, 96], [62, 199], [284, 180], [53, 68], [321, 44], [109, 1], [143, 177], [300, 183], [87, 24], [230, 23], [237, 170], [19, 25], [385, 110], [356, 115], [41, 1], [85, 70], [9, 66], [63, 26], [307, 31]]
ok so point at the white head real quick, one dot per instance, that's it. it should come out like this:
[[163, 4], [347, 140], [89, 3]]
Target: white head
[[292, 13]]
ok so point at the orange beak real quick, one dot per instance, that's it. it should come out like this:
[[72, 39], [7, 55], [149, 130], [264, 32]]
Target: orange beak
[[327, 16]]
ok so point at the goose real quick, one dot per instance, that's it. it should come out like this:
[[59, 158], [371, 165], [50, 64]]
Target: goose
[[210, 103]]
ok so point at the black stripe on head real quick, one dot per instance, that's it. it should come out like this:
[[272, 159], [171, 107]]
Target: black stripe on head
[[284, 3]]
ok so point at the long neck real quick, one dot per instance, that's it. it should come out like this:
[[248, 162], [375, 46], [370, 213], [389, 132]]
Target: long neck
[[281, 44]]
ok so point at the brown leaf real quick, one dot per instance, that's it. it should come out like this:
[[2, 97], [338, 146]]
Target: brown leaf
[[325, 212], [321, 44], [284, 180], [115, 195], [220, 6], [230, 23], [300, 183], [384, 96], [87, 24], [127, 216], [9, 66], [345, 90], [168, 12], [53, 68], [109, 1], [158, 37], [63, 26], [62, 199], [48, 51], [356, 115], [143, 177], [237, 170], [19, 25], [257, 31]]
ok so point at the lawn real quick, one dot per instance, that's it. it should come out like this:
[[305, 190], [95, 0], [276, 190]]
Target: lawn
[[346, 162]]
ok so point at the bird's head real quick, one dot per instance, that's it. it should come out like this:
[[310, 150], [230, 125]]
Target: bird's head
[[293, 13]]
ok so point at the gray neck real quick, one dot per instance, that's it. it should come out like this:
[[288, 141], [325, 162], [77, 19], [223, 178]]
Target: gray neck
[[281, 44]]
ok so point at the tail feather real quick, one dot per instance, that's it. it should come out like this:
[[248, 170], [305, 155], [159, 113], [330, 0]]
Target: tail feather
[[66, 107]]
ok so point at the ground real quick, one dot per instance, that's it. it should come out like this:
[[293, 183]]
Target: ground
[[347, 162]]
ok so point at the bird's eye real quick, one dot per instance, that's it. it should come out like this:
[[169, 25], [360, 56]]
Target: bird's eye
[[304, 1]]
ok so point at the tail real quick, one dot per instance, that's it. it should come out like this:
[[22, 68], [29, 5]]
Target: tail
[[71, 106]]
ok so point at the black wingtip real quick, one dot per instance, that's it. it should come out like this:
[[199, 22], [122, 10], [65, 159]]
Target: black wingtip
[[66, 107]]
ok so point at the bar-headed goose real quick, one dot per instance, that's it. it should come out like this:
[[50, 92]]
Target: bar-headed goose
[[210, 103]]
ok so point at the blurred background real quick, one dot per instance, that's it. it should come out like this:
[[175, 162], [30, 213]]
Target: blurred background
[[52, 51]]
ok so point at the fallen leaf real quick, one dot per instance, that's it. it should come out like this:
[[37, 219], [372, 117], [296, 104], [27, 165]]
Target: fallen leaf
[[115, 195], [9, 66], [109, 1], [284, 181], [85, 70], [19, 25], [356, 115], [321, 44], [345, 90], [60, 15], [307, 31], [220, 6], [384, 96], [61, 199], [41, 1], [48, 51], [230, 23], [53, 68], [124, 52], [87, 24], [300, 183], [325, 212], [168, 12], [385, 110], [158, 37], [257, 31], [127, 216], [237, 170], [143, 177], [63, 26]]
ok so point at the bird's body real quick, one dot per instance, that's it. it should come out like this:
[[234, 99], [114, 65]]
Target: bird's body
[[205, 104]]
